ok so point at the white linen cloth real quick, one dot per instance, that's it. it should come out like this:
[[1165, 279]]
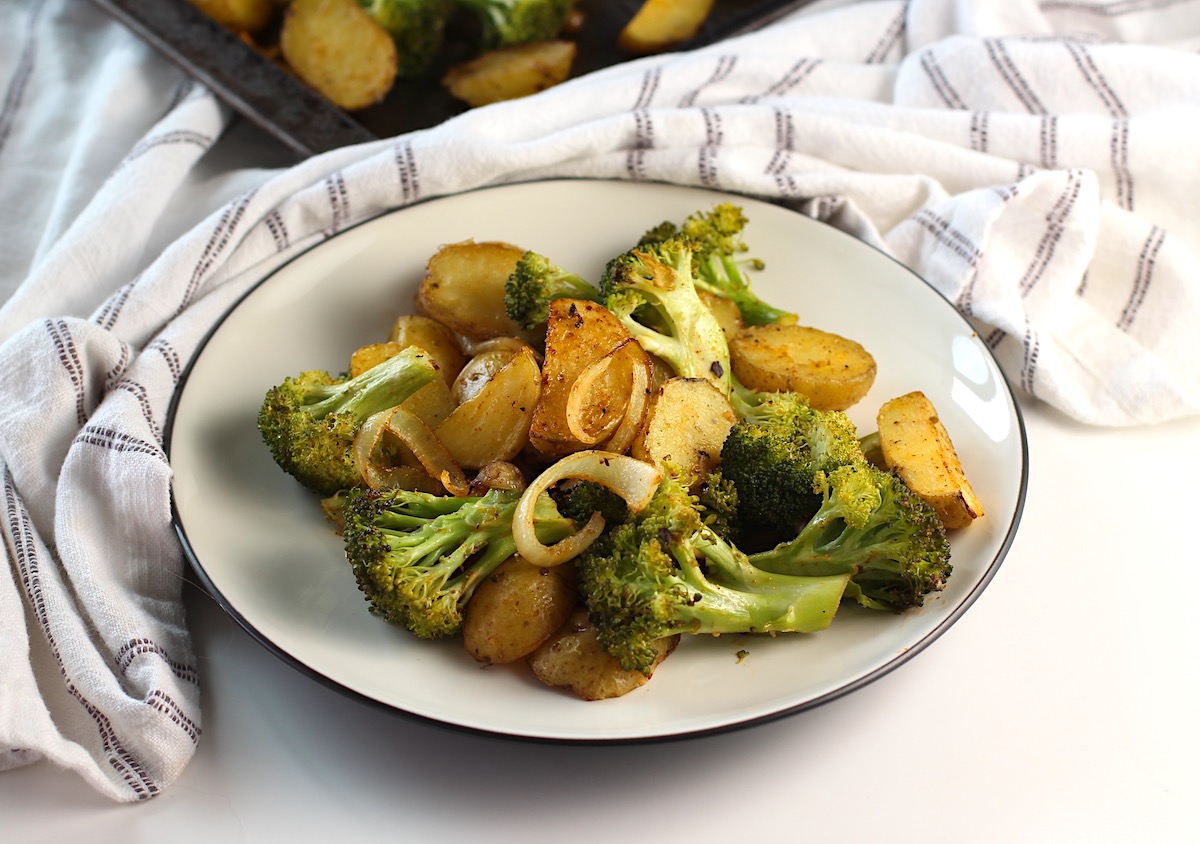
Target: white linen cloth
[[1033, 161]]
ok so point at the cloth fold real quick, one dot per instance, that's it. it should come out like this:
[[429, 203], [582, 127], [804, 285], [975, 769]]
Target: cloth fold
[[1032, 161]]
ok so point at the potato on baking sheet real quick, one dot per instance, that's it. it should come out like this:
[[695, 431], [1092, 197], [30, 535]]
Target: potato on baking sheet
[[572, 658], [508, 73], [661, 25], [340, 50], [831, 371], [515, 609], [493, 425], [915, 444], [685, 427], [580, 334], [239, 15], [463, 288]]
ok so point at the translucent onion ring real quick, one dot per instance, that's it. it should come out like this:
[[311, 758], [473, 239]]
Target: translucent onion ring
[[632, 479], [579, 399], [635, 409]]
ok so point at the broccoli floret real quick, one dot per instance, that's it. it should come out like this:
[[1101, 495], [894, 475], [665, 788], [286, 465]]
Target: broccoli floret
[[418, 557], [665, 571], [417, 26], [309, 421], [534, 283], [719, 262], [773, 457], [651, 289], [508, 22], [871, 525], [579, 499]]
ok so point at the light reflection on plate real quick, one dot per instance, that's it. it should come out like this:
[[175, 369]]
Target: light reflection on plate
[[262, 547]]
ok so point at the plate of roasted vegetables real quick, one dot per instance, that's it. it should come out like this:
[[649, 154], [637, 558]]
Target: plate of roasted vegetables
[[595, 461]]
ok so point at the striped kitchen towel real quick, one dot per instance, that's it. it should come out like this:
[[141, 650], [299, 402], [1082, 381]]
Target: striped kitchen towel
[[1033, 161]]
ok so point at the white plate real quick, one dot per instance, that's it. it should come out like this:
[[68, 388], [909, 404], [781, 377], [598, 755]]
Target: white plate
[[261, 545]]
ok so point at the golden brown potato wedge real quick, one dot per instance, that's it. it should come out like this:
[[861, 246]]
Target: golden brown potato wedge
[[579, 334], [340, 50], [239, 15], [515, 609], [435, 338], [685, 427], [511, 72], [463, 288], [831, 371], [493, 425], [726, 311], [572, 658], [915, 443], [661, 25]]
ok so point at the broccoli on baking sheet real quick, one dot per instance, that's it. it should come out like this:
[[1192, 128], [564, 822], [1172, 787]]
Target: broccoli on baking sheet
[[508, 22], [417, 26], [719, 261], [652, 290], [417, 558], [665, 571], [309, 421]]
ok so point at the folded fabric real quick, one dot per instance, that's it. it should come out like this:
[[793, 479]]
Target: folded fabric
[[1031, 161]]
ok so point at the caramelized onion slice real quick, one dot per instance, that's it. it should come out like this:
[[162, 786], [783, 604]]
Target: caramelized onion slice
[[428, 450], [436, 462], [632, 479], [639, 397]]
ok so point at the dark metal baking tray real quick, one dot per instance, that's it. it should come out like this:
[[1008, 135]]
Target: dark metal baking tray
[[271, 97]]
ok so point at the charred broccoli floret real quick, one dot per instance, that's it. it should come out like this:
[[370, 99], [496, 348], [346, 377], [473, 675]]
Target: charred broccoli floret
[[534, 283], [417, 26], [652, 290], [508, 22], [665, 571], [310, 420], [419, 557], [872, 526]]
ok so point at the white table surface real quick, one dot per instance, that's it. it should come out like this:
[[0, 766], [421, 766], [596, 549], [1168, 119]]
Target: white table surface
[[1060, 708]]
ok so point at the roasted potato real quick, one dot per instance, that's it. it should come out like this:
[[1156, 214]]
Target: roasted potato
[[463, 288], [248, 16], [340, 50], [515, 609], [578, 335], [431, 404], [510, 72], [685, 427], [661, 25], [572, 658], [726, 311], [915, 444], [435, 338], [831, 371], [494, 423]]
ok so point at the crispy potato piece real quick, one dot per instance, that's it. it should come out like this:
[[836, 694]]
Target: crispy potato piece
[[463, 288], [578, 334], [510, 72], [239, 15], [831, 371], [494, 423], [340, 50], [515, 609], [915, 444], [661, 25], [435, 338], [685, 427], [573, 658]]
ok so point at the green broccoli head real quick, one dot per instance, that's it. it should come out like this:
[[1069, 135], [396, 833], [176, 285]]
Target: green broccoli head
[[652, 290], [719, 263], [418, 558], [417, 26], [872, 526], [509, 22], [534, 283], [309, 421], [773, 457], [664, 571]]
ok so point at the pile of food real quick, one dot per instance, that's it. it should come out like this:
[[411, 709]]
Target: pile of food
[[353, 51], [575, 474]]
